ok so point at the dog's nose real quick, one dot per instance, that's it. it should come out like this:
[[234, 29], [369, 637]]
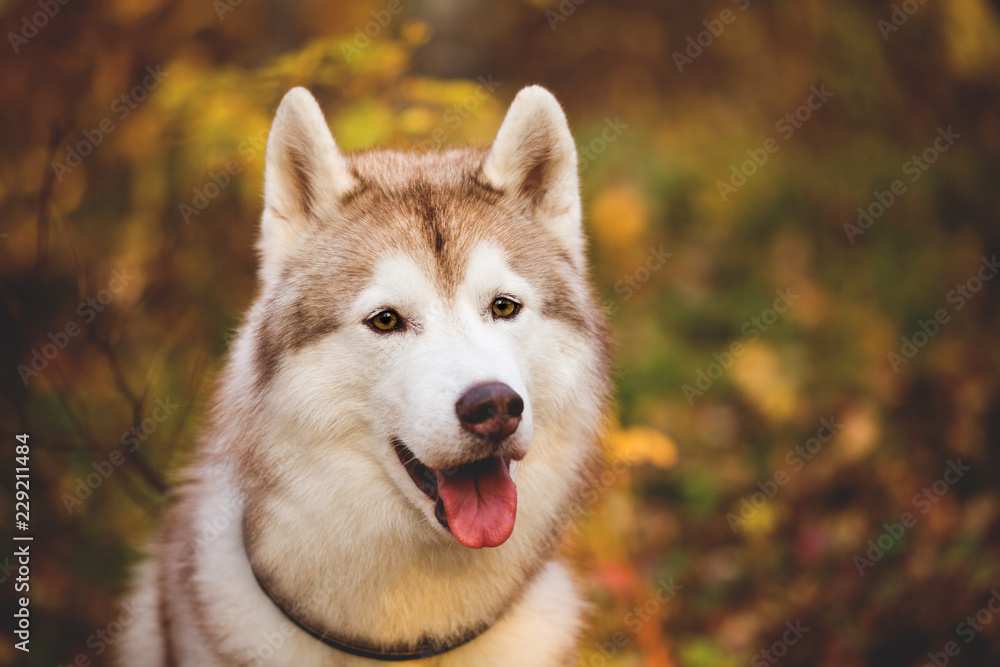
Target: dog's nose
[[491, 410]]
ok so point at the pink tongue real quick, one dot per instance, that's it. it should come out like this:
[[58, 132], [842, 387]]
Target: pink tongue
[[480, 500]]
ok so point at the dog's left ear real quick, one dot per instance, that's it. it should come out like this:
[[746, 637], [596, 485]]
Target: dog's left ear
[[534, 158], [304, 177]]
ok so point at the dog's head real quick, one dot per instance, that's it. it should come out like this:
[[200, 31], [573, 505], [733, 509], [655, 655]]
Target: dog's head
[[430, 313]]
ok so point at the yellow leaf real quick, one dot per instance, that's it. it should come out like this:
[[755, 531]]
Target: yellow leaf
[[619, 216], [415, 33], [643, 444], [762, 521], [759, 374], [970, 35]]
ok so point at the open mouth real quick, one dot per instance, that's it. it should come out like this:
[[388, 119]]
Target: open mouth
[[475, 501]]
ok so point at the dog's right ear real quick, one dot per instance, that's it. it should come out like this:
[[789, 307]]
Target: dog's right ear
[[534, 158], [304, 176]]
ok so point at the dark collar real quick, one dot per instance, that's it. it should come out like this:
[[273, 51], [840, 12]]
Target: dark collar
[[426, 648]]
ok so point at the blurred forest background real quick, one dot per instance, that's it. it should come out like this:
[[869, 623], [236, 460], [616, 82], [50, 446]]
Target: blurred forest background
[[793, 209]]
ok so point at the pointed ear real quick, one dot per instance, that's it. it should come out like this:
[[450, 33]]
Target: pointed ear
[[534, 158], [304, 176]]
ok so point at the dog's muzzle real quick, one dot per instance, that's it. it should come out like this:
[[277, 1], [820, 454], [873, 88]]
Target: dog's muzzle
[[475, 499]]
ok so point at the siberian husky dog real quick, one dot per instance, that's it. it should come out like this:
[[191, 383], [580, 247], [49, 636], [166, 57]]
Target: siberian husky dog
[[409, 419]]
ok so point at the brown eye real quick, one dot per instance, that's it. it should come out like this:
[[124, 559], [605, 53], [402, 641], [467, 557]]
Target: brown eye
[[504, 307], [387, 320]]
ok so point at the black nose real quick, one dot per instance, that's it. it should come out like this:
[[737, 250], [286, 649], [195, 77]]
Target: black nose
[[490, 410]]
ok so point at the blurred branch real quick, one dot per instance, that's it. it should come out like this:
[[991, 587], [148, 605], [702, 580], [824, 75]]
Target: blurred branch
[[45, 194], [171, 339], [197, 376], [81, 274], [138, 405], [95, 445], [136, 400]]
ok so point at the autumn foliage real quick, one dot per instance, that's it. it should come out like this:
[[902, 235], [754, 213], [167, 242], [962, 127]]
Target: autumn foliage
[[793, 219]]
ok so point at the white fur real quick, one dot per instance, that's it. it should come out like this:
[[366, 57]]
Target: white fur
[[299, 133], [535, 131], [539, 630], [340, 527]]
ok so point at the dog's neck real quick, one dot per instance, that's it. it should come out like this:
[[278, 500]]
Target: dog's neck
[[344, 549], [428, 647]]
